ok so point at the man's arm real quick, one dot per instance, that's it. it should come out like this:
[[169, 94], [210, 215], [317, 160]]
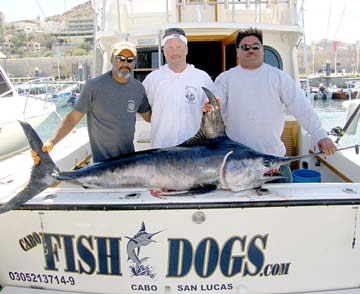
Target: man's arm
[[66, 125], [64, 128]]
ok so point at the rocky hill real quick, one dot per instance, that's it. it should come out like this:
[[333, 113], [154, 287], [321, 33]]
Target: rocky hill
[[79, 11]]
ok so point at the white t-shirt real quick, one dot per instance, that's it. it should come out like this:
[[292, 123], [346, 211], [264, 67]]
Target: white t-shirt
[[177, 100], [253, 107]]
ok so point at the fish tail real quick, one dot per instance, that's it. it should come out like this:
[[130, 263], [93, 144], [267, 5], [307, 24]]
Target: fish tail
[[40, 177]]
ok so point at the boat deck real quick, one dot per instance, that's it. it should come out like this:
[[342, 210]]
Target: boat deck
[[299, 194], [15, 170]]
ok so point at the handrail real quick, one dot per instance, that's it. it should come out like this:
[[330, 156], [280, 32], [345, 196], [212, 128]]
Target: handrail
[[258, 6], [247, 3]]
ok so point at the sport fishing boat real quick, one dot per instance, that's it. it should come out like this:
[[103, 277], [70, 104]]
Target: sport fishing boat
[[14, 107], [301, 237]]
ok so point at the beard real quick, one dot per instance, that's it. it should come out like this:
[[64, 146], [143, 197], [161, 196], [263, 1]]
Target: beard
[[123, 75]]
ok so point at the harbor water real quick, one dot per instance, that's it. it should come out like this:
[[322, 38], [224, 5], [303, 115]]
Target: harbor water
[[331, 113]]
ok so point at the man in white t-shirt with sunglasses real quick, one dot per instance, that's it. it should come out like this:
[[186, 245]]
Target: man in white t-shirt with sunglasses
[[175, 94], [253, 96]]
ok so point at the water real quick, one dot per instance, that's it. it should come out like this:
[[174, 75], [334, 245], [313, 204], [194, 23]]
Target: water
[[47, 129], [331, 113]]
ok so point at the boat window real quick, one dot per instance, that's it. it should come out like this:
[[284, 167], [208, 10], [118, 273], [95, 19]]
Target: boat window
[[272, 57], [147, 60], [4, 87]]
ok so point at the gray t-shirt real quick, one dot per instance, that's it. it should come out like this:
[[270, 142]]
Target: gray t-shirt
[[111, 109]]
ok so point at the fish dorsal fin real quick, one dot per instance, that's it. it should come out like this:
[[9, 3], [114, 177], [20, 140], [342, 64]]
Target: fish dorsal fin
[[199, 139], [212, 124]]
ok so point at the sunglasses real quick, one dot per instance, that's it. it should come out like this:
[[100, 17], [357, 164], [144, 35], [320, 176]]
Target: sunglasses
[[121, 58], [247, 47]]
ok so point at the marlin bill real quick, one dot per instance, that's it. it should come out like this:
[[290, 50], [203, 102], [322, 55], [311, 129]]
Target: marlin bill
[[208, 161]]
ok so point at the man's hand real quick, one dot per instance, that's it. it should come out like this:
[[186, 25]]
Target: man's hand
[[327, 146], [46, 147], [208, 107], [35, 157]]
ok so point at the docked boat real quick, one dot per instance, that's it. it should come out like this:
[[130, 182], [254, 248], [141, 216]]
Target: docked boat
[[60, 93], [14, 107], [301, 237], [67, 94]]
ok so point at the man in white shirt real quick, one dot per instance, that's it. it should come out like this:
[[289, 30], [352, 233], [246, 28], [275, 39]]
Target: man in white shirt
[[175, 94], [253, 96]]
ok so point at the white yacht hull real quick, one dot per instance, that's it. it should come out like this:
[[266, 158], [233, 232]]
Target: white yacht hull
[[12, 138], [287, 238], [295, 239]]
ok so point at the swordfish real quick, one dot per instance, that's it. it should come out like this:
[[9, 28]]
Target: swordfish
[[210, 160]]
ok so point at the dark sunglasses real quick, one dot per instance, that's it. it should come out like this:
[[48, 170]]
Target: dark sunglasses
[[247, 47], [121, 58]]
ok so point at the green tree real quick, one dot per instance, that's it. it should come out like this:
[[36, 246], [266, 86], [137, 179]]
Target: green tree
[[2, 17], [19, 40], [79, 52], [86, 46]]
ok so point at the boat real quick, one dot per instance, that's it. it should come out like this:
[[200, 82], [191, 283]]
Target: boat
[[67, 93], [14, 107], [60, 93], [350, 92], [301, 237]]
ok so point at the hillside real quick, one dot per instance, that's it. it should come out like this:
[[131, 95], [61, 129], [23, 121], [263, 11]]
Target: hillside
[[79, 11]]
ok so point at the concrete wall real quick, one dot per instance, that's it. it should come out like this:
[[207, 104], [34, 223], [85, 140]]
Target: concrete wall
[[48, 66]]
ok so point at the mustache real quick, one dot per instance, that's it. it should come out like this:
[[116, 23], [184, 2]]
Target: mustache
[[127, 67]]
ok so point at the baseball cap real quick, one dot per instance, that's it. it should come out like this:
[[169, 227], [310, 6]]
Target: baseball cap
[[122, 45], [174, 33]]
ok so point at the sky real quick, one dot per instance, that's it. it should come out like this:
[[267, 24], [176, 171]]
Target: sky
[[30, 9], [337, 20], [332, 19]]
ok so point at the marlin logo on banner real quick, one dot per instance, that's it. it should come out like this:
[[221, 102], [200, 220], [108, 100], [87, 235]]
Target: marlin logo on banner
[[138, 266]]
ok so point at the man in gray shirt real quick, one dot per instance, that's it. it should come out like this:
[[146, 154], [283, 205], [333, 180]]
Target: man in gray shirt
[[111, 102]]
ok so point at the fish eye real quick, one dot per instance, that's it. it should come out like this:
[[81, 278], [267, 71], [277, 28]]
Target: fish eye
[[267, 163]]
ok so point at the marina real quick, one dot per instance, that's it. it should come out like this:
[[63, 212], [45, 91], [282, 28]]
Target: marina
[[301, 237], [15, 107]]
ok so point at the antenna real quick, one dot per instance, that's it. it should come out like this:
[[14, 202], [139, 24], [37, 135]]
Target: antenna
[[42, 12]]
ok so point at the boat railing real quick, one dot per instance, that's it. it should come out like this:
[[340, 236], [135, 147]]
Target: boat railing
[[47, 90], [122, 15], [257, 11], [353, 89]]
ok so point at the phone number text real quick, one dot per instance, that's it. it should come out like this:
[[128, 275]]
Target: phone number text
[[42, 278]]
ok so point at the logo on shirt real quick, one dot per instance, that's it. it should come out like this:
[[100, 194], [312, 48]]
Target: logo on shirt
[[131, 106], [190, 94]]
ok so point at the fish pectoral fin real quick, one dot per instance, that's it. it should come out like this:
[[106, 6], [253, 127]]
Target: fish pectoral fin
[[222, 169], [193, 191], [202, 189]]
